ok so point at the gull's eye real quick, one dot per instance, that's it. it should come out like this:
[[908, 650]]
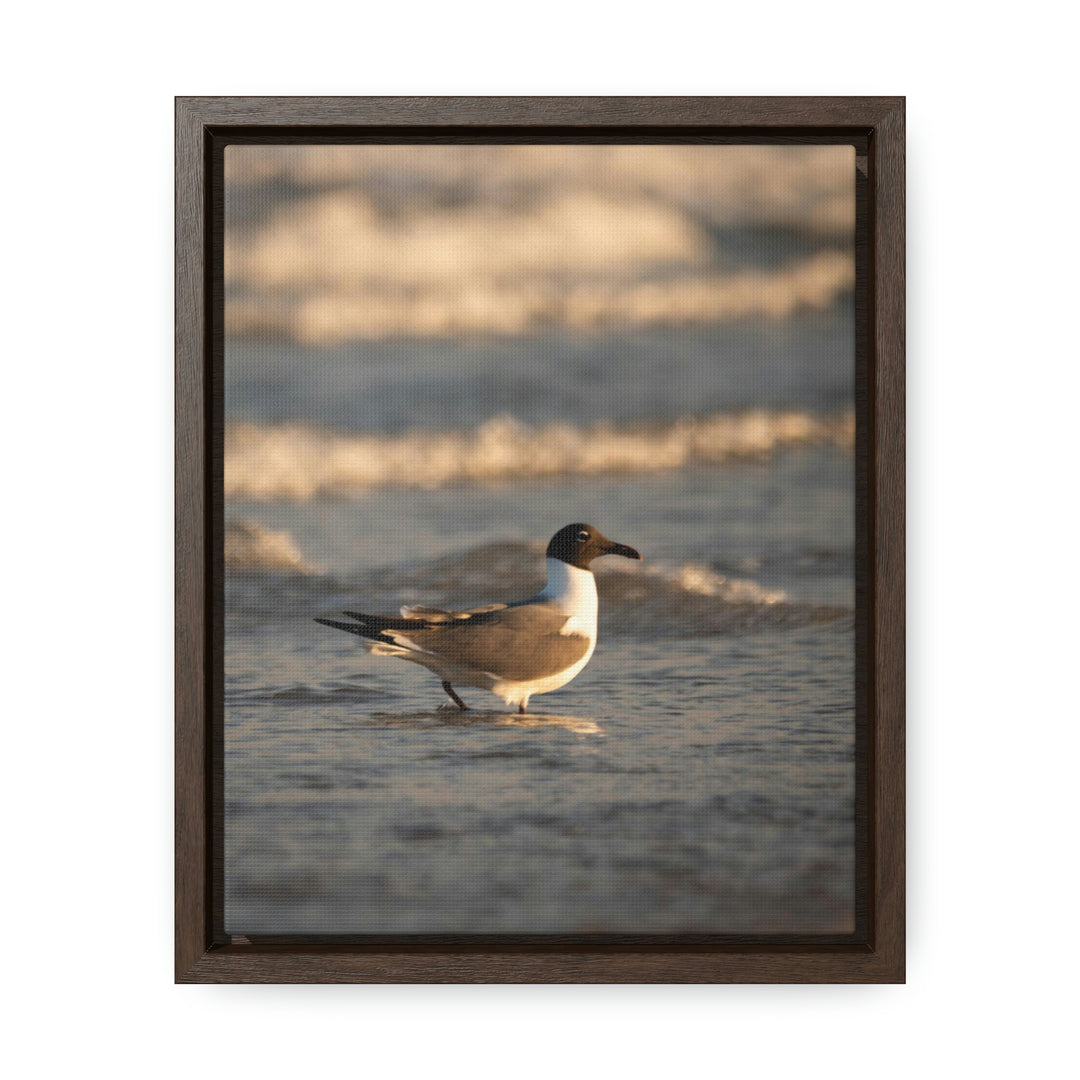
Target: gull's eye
[[582, 536]]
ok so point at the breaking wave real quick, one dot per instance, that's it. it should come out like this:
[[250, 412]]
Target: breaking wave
[[265, 462], [700, 580], [799, 187], [333, 244], [514, 568], [650, 598], [474, 305], [251, 546]]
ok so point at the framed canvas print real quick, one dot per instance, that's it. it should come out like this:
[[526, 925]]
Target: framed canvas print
[[539, 540]]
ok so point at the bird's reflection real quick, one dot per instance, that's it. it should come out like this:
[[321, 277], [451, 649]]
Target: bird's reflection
[[579, 725]]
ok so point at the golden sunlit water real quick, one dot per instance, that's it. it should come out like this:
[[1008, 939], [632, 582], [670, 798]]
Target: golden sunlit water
[[436, 359]]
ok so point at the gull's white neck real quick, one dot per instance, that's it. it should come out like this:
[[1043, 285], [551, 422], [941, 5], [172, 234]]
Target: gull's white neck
[[573, 589]]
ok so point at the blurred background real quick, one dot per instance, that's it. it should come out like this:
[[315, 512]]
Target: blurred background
[[436, 356], [333, 244], [397, 289]]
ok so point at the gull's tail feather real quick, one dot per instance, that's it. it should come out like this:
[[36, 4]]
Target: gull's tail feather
[[351, 628], [379, 642], [375, 627]]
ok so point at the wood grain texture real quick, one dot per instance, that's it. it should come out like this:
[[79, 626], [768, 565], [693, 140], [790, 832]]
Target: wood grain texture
[[876, 127], [888, 448], [250, 964], [863, 532], [487, 112], [192, 717]]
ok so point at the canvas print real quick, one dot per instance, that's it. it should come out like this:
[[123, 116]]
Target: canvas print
[[539, 539]]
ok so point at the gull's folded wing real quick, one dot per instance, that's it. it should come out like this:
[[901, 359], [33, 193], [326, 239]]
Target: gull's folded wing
[[520, 643], [517, 642]]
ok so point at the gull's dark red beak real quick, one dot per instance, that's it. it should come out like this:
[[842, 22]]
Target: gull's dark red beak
[[623, 550]]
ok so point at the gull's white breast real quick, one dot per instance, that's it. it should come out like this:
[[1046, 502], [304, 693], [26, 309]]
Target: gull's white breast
[[573, 590]]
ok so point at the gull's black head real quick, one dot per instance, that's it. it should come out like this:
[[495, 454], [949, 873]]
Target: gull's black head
[[579, 544]]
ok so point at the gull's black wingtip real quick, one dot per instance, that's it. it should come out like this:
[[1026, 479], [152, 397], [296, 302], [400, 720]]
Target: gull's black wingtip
[[348, 627]]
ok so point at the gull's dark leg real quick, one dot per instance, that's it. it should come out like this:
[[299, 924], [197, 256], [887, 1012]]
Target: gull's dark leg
[[521, 710], [457, 701]]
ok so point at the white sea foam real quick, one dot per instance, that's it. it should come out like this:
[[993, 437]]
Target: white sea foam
[[251, 546], [331, 244], [297, 462], [807, 187], [513, 567], [700, 580], [477, 304], [502, 568]]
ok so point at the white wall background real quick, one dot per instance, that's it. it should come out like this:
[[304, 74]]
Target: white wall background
[[87, 407]]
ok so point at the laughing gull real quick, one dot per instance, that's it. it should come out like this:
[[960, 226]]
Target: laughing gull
[[514, 650]]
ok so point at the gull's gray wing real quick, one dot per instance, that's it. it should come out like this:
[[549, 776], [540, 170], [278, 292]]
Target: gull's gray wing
[[520, 642]]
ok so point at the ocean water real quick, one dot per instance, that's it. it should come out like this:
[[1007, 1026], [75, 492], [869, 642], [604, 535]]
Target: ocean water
[[697, 777], [435, 358]]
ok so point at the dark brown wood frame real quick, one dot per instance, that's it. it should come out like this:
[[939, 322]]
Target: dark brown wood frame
[[875, 126]]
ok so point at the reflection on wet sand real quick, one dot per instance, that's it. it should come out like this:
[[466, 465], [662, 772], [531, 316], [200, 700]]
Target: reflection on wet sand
[[577, 724], [452, 716]]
